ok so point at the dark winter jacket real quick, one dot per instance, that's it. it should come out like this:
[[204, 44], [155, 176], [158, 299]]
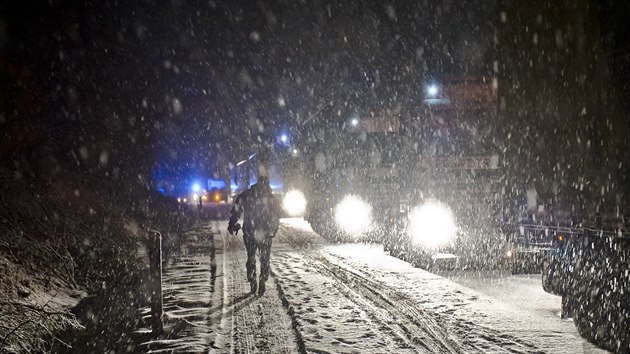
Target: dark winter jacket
[[260, 209]]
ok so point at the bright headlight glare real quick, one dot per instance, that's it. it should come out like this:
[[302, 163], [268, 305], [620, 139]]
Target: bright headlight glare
[[432, 225], [294, 203], [353, 215]]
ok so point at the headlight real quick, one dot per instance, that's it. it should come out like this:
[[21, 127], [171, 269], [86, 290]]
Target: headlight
[[294, 203], [432, 225], [353, 215]]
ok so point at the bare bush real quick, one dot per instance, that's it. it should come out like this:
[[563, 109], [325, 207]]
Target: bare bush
[[20, 320]]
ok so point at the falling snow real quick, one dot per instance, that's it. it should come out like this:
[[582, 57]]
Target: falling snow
[[457, 175]]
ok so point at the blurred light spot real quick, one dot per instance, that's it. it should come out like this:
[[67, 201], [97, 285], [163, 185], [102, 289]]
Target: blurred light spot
[[320, 162], [432, 90], [104, 158], [504, 18], [177, 106], [84, 152], [254, 36], [391, 13]]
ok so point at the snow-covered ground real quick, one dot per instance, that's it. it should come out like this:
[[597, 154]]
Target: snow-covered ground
[[349, 298]]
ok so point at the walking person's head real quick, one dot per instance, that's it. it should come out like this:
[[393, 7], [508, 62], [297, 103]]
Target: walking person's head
[[262, 183]]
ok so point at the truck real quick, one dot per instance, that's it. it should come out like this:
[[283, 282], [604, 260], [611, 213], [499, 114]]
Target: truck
[[418, 179], [455, 211], [356, 177]]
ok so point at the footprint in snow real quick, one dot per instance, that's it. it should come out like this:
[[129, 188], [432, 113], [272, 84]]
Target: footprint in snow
[[345, 341]]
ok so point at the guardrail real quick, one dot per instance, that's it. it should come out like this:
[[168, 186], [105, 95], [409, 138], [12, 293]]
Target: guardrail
[[588, 231]]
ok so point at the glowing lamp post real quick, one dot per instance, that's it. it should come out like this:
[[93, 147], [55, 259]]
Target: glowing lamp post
[[432, 91]]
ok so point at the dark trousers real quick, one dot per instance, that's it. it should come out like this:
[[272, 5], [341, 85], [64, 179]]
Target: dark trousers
[[265, 252]]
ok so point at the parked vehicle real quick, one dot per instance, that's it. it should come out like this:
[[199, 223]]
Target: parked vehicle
[[589, 268]]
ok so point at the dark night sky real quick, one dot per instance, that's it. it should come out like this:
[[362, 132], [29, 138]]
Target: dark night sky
[[175, 80], [179, 81]]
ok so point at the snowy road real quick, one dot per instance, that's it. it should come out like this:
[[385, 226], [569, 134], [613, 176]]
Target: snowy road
[[349, 298]]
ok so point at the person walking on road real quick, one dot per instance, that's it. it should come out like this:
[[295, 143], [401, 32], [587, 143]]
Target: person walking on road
[[261, 219]]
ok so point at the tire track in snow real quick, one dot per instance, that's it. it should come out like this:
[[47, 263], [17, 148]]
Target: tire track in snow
[[242, 339], [330, 317], [222, 329], [295, 326], [406, 322], [257, 324], [473, 338], [419, 329]]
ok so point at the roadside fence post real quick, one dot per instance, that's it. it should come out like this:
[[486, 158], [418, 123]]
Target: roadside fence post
[[155, 282]]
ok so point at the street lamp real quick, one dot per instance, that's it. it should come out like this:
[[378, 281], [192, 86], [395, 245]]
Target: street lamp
[[432, 91], [354, 119], [284, 138], [434, 95]]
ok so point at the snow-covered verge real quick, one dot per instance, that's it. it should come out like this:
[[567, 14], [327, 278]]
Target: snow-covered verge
[[343, 298], [355, 298], [207, 303], [485, 307], [33, 310], [59, 243]]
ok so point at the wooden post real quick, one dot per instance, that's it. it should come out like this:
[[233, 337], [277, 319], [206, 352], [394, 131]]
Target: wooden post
[[155, 282]]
